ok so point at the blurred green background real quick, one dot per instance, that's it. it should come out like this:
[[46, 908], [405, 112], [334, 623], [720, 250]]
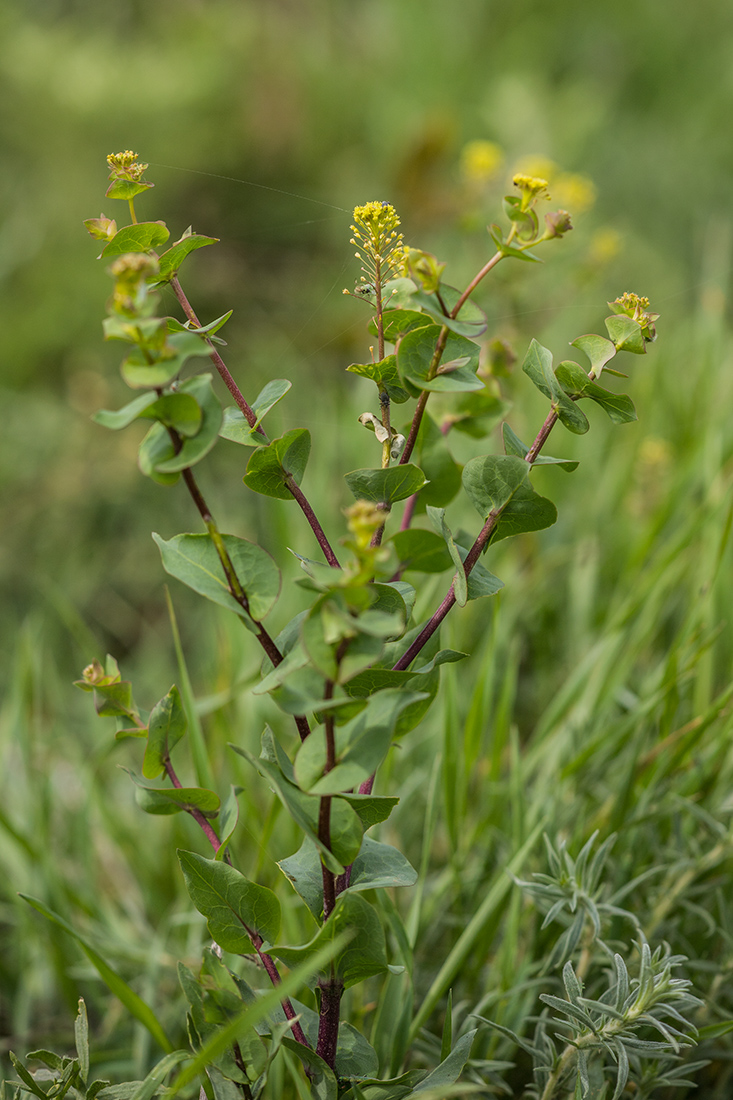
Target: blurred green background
[[264, 123]]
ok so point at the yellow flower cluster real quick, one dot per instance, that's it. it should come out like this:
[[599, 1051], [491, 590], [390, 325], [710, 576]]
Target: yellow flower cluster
[[125, 166], [632, 303], [377, 236], [570, 189], [481, 161]]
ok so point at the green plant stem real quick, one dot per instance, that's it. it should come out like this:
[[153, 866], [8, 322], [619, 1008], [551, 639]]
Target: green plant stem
[[471, 557], [257, 941], [235, 587], [208, 831], [328, 1023], [495, 259], [216, 359], [324, 810], [251, 417]]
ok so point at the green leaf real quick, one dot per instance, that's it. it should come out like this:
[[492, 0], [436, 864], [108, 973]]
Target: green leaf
[[438, 465], [397, 321], [449, 1070], [196, 446], [126, 189], [415, 353], [254, 1013], [492, 480], [379, 866], [625, 333], [385, 486], [599, 350], [228, 820], [423, 551], [526, 511], [499, 484], [384, 374], [507, 250], [460, 581], [514, 446], [31, 1085], [537, 366], [166, 727], [176, 410], [361, 745], [371, 809], [360, 651], [363, 957], [303, 870], [471, 320], [480, 581], [134, 1004], [140, 374], [173, 800], [474, 414], [233, 906], [574, 380], [81, 1040], [141, 237], [194, 561], [270, 467], [236, 426], [152, 1083], [346, 828], [171, 260], [115, 420]]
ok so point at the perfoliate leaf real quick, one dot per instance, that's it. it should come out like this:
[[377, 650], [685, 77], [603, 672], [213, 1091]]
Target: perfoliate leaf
[[599, 350], [166, 727], [537, 366], [233, 906], [157, 454], [574, 380], [193, 559], [500, 484], [171, 260], [471, 320], [271, 466], [173, 800], [384, 374], [397, 321], [625, 333], [141, 237], [415, 353], [363, 957], [346, 828], [140, 374], [386, 486], [379, 866], [127, 189], [423, 551]]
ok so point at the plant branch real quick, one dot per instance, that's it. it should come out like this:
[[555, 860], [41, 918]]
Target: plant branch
[[310, 515], [475, 282], [471, 557], [235, 586], [324, 810], [208, 830], [216, 359]]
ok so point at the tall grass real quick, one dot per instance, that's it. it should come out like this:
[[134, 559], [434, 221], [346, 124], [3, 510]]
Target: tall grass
[[597, 697]]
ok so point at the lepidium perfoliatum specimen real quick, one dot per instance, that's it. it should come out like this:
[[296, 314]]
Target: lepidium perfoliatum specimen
[[353, 671]]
